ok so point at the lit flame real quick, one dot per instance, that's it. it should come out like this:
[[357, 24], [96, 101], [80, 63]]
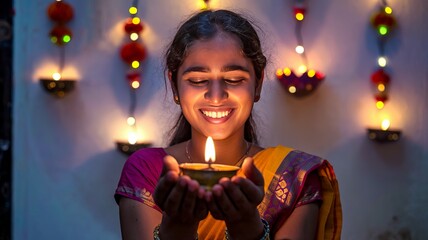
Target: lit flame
[[132, 137], [209, 150], [56, 76], [385, 124], [302, 69]]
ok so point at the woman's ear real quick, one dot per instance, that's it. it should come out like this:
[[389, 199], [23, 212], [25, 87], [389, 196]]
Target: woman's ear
[[174, 88], [259, 85]]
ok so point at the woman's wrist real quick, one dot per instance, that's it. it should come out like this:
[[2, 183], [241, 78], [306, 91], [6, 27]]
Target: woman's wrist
[[156, 234], [171, 229], [260, 228]]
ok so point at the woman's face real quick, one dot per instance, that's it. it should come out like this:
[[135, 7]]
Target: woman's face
[[216, 86]]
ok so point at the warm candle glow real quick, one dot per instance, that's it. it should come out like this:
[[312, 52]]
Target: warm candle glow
[[132, 137], [302, 69], [56, 76], [385, 124], [209, 150]]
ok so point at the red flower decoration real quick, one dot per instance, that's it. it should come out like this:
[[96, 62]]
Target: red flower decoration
[[381, 97], [380, 77], [382, 18], [133, 51], [60, 12], [59, 34], [133, 76], [299, 9], [131, 27]]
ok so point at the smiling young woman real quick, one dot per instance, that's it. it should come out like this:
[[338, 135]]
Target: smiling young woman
[[216, 86], [215, 66]]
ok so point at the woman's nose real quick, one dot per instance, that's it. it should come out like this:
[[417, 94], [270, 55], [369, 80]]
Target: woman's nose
[[216, 92]]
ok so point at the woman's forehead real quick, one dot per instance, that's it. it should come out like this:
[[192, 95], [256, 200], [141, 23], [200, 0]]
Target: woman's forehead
[[220, 46]]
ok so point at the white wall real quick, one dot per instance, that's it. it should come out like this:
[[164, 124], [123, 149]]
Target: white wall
[[66, 165]]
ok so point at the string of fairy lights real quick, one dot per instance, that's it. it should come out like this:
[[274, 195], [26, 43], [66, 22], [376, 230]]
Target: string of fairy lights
[[133, 53], [307, 80], [383, 22]]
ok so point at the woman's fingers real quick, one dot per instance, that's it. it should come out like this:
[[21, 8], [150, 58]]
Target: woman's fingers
[[252, 173], [227, 201], [213, 206], [174, 198], [163, 188], [253, 185], [167, 180], [239, 200], [201, 208], [234, 199], [183, 202], [188, 204], [170, 164]]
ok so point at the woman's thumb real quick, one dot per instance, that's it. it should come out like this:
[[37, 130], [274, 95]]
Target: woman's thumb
[[251, 172], [170, 164]]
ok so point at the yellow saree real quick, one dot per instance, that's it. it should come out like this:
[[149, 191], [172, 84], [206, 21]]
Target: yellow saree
[[285, 171]]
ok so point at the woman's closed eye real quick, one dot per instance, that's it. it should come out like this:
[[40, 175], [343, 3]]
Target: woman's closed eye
[[234, 81], [197, 81]]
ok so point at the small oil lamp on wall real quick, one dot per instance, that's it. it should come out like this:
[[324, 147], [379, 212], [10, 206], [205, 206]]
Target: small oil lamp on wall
[[132, 144], [57, 86], [384, 134], [60, 13], [207, 174]]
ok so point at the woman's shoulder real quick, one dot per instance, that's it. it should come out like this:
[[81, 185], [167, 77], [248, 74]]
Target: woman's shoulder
[[281, 149], [288, 157], [147, 156]]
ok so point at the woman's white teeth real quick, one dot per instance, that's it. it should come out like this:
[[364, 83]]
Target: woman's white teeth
[[211, 114]]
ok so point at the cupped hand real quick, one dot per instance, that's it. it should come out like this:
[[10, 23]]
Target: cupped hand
[[236, 199], [179, 197]]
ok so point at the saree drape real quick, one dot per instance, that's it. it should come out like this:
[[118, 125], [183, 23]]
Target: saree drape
[[285, 171]]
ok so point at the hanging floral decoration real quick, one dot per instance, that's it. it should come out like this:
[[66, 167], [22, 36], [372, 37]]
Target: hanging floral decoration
[[384, 23], [60, 13], [306, 80], [133, 53]]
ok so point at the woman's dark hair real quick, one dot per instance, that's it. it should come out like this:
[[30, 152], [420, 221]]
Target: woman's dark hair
[[205, 25]]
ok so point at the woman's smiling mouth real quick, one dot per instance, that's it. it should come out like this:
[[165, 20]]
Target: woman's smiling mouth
[[216, 114]]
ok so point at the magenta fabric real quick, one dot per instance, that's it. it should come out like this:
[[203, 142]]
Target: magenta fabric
[[140, 175]]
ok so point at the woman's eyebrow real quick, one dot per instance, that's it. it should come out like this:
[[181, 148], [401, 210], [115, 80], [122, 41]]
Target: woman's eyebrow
[[196, 69], [229, 68]]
